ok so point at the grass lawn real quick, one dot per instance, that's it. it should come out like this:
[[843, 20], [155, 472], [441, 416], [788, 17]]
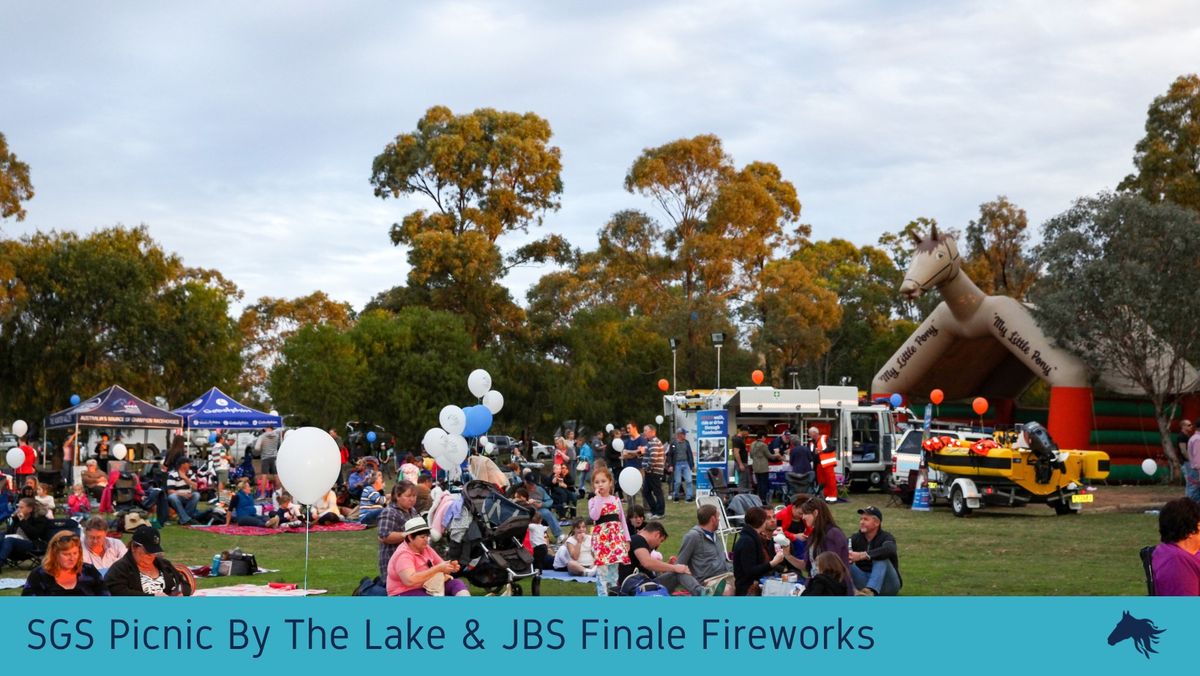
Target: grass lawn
[[996, 551]]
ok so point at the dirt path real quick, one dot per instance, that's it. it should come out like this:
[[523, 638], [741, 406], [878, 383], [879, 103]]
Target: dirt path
[[1133, 498]]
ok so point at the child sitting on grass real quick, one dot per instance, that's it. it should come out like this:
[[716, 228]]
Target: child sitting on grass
[[288, 513], [78, 503], [45, 498]]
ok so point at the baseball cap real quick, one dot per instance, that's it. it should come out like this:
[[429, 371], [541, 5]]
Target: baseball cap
[[873, 511], [148, 538]]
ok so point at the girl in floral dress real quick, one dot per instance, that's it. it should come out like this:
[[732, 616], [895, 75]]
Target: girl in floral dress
[[610, 536]]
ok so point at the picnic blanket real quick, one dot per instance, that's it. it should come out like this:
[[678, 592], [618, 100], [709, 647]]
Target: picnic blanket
[[206, 570], [273, 589], [564, 576], [255, 530], [11, 583]]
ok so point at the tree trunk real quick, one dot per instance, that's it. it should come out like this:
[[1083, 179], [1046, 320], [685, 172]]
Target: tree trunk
[[1169, 450]]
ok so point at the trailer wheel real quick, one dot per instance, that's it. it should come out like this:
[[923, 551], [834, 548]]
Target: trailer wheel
[[958, 502], [1063, 508]]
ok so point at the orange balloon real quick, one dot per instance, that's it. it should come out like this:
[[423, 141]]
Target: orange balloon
[[664, 385], [980, 405], [757, 377], [936, 397]]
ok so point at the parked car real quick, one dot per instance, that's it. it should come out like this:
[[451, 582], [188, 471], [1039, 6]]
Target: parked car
[[908, 452], [542, 451], [8, 441], [501, 443]]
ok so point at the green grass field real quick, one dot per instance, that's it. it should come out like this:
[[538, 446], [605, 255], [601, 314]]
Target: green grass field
[[997, 551]]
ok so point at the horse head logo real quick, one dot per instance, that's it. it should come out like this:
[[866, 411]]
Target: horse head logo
[[934, 262], [1143, 633]]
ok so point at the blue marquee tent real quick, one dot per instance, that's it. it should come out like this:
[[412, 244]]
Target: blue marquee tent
[[115, 407], [215, 409]]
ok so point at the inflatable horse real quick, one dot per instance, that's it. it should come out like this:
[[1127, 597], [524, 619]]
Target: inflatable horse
[[974, 344]]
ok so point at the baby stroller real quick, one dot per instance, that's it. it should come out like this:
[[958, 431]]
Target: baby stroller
[[487, 539], [124, 493]]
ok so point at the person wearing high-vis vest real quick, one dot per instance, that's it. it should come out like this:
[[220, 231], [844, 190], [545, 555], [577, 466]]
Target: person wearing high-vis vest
[[827, 460]]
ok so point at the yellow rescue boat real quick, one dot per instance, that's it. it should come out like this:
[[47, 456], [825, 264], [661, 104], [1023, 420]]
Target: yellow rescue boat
[[1040, 475]]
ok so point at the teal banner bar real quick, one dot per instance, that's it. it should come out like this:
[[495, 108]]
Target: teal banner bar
[[979, 635]]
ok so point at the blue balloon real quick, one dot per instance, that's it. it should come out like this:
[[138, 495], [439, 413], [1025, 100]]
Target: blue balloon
[[371, 437], [479, 420], [212, 437], [74, 399], [896, 400]]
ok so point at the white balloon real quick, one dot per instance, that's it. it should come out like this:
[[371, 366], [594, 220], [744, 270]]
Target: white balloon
[[20, 427], [609, 427], [15, 457], [630, 480], [494, 401], [119, 451], [274, 412], [308, 463], [479, 382], [658, 419], [452, 419], [1149, 466], [434, 441], [455, 450], [618, 445]]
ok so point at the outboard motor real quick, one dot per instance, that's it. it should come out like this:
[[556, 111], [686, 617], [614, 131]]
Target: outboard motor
[[1044, 450]]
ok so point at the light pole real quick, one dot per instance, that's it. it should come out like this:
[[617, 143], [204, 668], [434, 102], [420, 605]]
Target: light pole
[[793, 373], [674, 363], [718, 339]]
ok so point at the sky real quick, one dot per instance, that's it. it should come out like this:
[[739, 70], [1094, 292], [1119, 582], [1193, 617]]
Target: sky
[[242, 134]]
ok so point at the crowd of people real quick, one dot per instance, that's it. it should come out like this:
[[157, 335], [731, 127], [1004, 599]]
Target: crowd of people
[[614, 541]]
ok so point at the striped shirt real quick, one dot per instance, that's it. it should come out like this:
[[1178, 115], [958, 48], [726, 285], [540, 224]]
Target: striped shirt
[[175, 482], [217, 458], [370, 500], [657, 454]]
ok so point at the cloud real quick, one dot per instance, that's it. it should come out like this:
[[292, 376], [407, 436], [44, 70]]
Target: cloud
[[243, 136]]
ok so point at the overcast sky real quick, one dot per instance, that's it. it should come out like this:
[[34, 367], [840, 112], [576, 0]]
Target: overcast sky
[[242, 134]]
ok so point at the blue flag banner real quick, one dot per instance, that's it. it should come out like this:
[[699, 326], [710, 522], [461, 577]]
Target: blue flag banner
[[712, 444]]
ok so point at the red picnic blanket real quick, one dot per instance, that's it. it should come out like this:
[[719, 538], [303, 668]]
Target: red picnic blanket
[[255, 530]]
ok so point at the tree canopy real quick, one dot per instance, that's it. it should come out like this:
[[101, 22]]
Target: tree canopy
[[487, 173], [1168, 156], [15, 186], [1118, 287], [81, 313]]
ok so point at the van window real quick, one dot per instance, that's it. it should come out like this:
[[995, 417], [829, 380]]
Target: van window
[[911, 443], [865, 435]]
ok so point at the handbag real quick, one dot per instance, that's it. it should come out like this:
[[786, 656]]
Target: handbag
[[581, 466]]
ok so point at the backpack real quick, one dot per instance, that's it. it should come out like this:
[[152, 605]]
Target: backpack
[[369, 587], [637, 584]]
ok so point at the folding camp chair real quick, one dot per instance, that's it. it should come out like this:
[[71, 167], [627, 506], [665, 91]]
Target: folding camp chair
[[1147, 554], [721, 488], [724, 527]]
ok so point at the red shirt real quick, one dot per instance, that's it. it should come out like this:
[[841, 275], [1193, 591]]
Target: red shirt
[[783, 519], [30, 458]]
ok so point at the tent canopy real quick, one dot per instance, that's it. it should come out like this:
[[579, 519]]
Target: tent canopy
[[115, 407], [215, 409]]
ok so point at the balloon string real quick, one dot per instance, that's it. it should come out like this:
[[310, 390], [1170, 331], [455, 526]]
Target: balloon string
[[307, 531]]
